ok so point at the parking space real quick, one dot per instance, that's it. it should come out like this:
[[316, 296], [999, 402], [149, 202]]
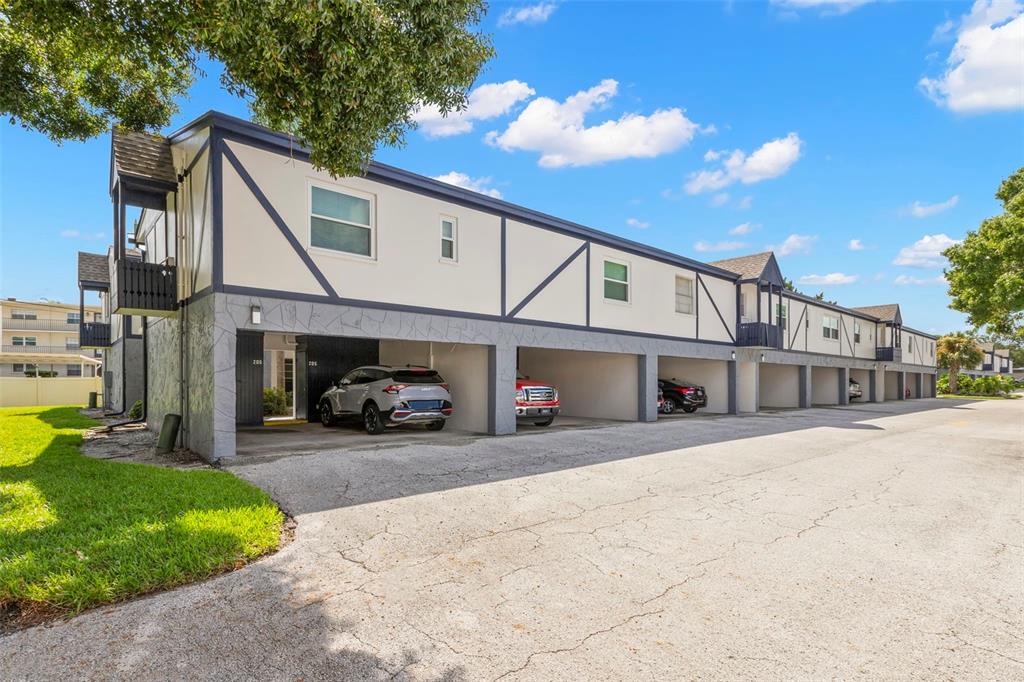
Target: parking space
[[711, 375], [893, 385], [590, 384], [824, 386], [779, 386], [863, 379]]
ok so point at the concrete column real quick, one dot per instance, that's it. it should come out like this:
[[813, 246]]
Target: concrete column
[[873, 386], [733, 381], [805, 385], [647, 387], [501, 390], [919, 385], [844, 385], [901, 385]]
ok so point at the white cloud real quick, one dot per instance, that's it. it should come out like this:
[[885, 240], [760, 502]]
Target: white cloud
[[855, 245], [474, 184], [638, 224], [908, 280], [484, 102], [77, 234], [919, 210], [712, 155], [705, 247], [720, 199], [794, 243], [827, 6], [743, 228], [557, 130], [70, 234], [745, 203], [983, 70], [831, 279], [926, 252], [530, 14], [768, 161]]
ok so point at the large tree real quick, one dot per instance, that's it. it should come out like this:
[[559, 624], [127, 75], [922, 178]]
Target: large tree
[[986, 273], [343, 76], [955, 352]]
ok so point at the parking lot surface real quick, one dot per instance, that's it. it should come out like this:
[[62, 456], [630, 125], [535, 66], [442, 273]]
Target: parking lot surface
[[869, 541]]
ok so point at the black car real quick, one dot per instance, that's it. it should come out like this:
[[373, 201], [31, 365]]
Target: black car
[[682, 395]]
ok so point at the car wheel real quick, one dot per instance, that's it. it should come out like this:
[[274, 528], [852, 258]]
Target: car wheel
[[436, 426], [544, 422], [668, 407], [689, 409], [372, 421], [326, 415]]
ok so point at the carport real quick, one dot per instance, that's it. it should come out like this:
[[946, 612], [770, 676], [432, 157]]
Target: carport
[[862, 377], [713, 375], [778, 386], [825, 383], [915, 383], [894, 389], [590, 384]]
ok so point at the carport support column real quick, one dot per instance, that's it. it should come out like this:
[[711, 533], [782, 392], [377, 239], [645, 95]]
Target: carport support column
[[805, 385], [733, 386], [918, 385], [873, 386], [901, 385], [844, 385], [647, 387], [501, 390]]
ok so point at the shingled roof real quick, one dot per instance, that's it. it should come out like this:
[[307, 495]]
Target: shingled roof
[[92, 267], [748, 267], [890, 312], [143, 156]]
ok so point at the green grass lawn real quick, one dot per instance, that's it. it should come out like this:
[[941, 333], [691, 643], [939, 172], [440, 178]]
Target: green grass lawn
[[1011, 396], [76, 532]]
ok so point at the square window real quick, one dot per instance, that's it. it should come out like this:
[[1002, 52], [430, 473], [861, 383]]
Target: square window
[[341, 222], [74, 370], [616, 281], [684, 295], [74, 318]]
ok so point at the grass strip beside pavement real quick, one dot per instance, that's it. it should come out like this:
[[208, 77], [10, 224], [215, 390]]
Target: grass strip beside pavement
[[76, 532], [957, 396]]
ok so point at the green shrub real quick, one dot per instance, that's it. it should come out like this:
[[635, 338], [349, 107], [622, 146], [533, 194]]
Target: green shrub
[[276, 402], [965, 384], [942, 385], [136, 411], [41, 373]]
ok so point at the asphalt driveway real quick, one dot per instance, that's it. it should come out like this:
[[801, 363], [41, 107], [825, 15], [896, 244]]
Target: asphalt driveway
[[870, 541]]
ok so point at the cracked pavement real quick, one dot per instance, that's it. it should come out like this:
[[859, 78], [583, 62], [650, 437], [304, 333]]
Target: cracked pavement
[[874, 541]]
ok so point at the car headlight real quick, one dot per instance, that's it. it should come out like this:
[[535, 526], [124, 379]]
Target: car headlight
[[520, 395], [555, 391]]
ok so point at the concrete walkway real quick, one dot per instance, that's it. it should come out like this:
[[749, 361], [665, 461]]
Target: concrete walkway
[[874, 541]]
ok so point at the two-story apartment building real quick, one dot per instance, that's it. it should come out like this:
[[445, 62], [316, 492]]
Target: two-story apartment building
[[41, 339], [994, 361], [247, 249]]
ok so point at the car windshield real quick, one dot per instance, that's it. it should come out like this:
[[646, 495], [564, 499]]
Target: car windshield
[[417, 376]]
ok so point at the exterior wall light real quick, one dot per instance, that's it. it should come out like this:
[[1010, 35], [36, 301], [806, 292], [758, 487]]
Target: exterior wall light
[[762, 357], [256, 314], [734, 355]]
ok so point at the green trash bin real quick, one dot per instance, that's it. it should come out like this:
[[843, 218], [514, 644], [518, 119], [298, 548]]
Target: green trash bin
[[92, 400]]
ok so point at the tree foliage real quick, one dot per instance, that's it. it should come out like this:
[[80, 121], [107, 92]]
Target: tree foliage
[[957, 351], [342, 76], [986, 274]]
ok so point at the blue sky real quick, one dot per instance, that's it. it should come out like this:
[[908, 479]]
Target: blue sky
[[708, 129]]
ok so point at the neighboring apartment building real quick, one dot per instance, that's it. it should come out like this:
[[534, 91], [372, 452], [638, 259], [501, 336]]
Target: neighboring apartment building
[[247, 249], [117, 337], [994, 362], [41, 339]]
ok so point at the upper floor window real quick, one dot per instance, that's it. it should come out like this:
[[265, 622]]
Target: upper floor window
[[341, 222], [684, 295], [616, 281], [743, 305], [856, 331], [74, 318], [830, 327], [449, 232], [23, 340], [23, 315], [780, 314]]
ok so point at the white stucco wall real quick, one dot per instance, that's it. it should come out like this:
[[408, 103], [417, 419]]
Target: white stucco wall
[[747, 376], [780, 385], [824, 386], [601, 385]]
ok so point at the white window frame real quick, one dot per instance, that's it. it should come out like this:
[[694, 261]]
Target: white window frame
[[76, 315], [831, 324], [693, 295], [24, 341], [454, 238], [743, 305], [856, 332], [341, 189], [22, 314], [781, 314], [628, 282]]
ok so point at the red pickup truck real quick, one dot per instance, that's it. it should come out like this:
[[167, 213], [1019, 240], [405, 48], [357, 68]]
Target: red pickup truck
[[536, 401]]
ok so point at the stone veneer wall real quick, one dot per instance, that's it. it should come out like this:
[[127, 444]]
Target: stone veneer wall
[[164, 370]]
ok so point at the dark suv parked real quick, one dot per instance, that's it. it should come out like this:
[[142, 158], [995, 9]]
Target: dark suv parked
[[682, 395]]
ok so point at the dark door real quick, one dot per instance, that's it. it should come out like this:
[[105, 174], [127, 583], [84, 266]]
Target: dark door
[[321, 361], [249, 378]]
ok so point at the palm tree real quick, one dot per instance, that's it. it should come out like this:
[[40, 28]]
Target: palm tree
[[957, 351]]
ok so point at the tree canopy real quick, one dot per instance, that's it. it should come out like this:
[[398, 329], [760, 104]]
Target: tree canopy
[[955, 352], [343, 77], [986, 273]]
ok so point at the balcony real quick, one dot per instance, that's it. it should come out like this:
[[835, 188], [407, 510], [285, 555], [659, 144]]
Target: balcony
[[144, 288], [888, 354], [94, 335], [986, 367], [759, 334], [19, 324], [1004, 370], [69, 349]]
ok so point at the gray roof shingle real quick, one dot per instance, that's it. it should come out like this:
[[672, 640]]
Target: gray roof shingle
[[92, 267], [143, 155], [885, 313], [748, 267]]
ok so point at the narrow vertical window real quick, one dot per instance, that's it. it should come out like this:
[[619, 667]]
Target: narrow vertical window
[[743, 306], [684, 295], [780, 314], [449, 232], [856, 332], [616, 281]]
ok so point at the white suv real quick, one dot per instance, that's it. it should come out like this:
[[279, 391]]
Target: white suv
[[380, 396]]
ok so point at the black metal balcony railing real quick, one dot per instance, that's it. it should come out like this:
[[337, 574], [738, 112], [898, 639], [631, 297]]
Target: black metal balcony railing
[[889, 354], [986, 367], [19, 324], [1004, 370], [144, 288], [94, 335], [759, 334]]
